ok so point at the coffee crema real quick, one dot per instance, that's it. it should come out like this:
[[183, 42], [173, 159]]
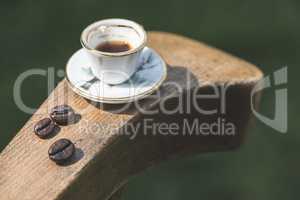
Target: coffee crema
[[114, 46]]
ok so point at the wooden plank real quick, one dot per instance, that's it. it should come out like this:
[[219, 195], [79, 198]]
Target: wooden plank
[[106, 155]]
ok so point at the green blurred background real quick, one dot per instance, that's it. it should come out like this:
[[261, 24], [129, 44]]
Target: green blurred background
[[42, 34]]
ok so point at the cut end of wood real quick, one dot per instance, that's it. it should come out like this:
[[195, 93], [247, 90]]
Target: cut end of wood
[[209, 65]]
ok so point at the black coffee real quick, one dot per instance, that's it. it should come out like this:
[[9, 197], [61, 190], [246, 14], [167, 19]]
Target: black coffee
[[61, 150], [114, 46]]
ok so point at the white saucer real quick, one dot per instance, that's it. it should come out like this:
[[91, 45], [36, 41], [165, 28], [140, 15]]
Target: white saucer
[[145, 81]]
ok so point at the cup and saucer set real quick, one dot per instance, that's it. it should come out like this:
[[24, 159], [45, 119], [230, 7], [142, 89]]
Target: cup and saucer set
[[115, 66]]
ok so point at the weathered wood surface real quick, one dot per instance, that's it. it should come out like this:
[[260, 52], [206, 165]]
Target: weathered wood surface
[[105, 156]]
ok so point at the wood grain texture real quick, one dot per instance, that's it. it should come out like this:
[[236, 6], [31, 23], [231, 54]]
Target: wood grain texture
[[106, 156]]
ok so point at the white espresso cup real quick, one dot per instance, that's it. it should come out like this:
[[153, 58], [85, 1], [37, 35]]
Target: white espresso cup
[[114, 67]]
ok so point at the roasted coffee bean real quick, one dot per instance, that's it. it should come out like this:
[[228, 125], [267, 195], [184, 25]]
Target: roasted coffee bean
[[61, 150], [44, 128], [62, 114]]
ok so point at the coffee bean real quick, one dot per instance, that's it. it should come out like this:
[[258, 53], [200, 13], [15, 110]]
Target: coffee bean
[[62, 114], [61, 150], [44, 128]]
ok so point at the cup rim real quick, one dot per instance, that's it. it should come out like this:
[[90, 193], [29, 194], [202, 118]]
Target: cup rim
[[113, 22]]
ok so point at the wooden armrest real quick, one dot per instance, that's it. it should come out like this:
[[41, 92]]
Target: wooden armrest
[[108, 150]]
